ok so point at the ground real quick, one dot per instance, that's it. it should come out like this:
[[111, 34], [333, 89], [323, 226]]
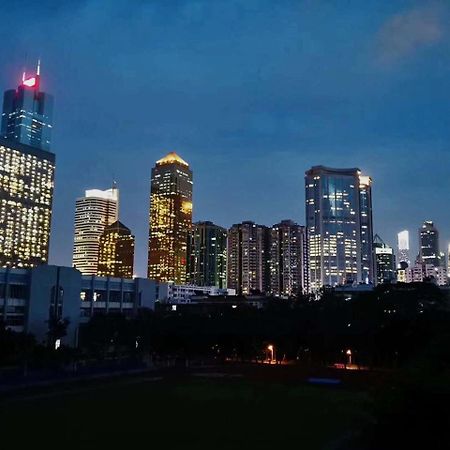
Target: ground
[[191, 410]]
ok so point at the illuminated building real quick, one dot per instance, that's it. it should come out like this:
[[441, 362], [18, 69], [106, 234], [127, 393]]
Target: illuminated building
[[116, 252], [93, 213], [384, 261], [170, 219], [339, 221], [429, 244], [423, 272], [207, 263], [26, 196], [288, 259], [248, 258], [27, 113], [403, 248]]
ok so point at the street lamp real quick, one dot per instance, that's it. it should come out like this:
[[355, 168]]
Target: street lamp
[[272, 352], [349, 354]]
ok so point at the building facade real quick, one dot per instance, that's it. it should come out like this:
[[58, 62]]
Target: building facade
[[26, 198], [170, 219], [340, 231], [429, 244], [27, 113], [288, 259], [384, 261], [248, 258], [207, 249], [403, 249], [93, 213], [116, 252]]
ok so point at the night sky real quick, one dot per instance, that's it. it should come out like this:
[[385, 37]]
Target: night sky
[[250, 93]]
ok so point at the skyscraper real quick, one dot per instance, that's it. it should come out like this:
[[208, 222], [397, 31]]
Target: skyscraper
[[248, 258], [27, 113], [403, 248], [116, 252], [170, 219], [384, 261], [208, 255], [288, 259], [339, 221], [26, 197], [429, 244], [93, 213]]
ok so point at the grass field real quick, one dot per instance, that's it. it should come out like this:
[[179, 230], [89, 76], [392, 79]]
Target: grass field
[[185, 412]]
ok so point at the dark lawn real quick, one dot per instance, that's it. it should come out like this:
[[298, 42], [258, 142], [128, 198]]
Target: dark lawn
[[183, 413]]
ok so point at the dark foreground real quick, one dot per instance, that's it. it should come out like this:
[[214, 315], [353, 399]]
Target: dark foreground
[[203, 409]]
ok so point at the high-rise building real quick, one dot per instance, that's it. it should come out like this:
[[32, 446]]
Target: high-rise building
[[384, 261], [116, 252], [339, 221], [403, 248], [27, 113], [288, 259], [93, 213], [207, 262], [248, 258], [26, 197], [170, 219], [429, 244]]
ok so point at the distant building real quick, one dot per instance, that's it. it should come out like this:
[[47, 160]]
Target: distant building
[[423, 272], [26, 198], [207, 249], [403, 248], [248, 258], [288, 259], [340, 230], [93, 213], [429, 244], [170, 219], [384, 261], [177, 294], [116, 252], [27, 113]]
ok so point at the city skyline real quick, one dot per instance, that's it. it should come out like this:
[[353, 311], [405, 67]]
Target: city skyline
[[275, 116]]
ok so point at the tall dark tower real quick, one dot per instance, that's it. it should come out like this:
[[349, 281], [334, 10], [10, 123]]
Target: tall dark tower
[[429, 244], [170, 219], [27, 113]]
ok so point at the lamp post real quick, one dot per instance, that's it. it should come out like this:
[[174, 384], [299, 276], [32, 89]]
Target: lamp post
[[349, 354], [272, 352]]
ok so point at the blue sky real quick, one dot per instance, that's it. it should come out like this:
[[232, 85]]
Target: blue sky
[[250, 93]]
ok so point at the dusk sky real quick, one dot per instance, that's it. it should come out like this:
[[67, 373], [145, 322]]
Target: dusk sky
[[250, 93]]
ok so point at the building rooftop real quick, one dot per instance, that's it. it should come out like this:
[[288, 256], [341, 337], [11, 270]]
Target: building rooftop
[[171, 158]]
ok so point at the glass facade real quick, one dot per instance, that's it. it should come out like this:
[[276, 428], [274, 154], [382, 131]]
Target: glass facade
[[27, 114], [93, 213], [26, 196], [339, 221], [384, 261], [170, 219], [208, 255], [116, 252]]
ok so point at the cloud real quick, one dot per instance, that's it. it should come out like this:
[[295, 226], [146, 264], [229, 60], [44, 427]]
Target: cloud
[[406, 33]]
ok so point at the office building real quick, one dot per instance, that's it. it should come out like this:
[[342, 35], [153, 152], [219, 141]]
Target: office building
[[423, 272], [248, 258], [207, 249], [116, 252], [429, 244], [93, 213], [403, 249], [339, 222], [170, 219], [27, 113], [288, 259], [384, 261], [26, 197]]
